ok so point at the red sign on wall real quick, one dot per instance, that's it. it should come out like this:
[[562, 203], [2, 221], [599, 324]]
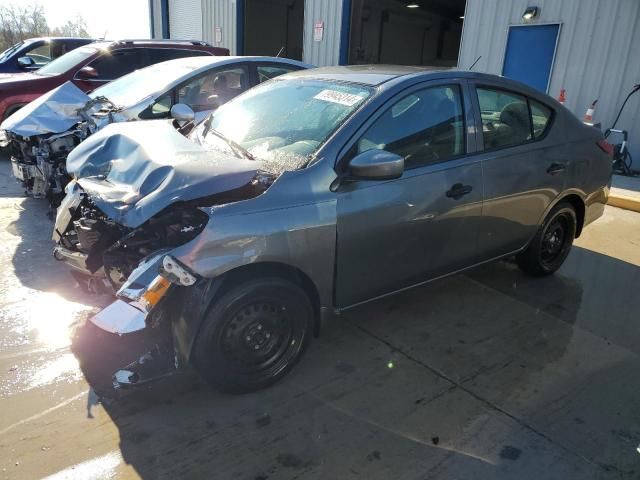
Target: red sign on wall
[[318, 31]]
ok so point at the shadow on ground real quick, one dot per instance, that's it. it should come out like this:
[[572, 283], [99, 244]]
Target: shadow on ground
[[490, 374]]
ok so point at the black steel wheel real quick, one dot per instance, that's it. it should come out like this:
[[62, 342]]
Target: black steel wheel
[[253, 334], [551, 245]]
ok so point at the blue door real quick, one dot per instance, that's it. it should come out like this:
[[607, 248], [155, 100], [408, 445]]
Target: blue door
[[529, 54]]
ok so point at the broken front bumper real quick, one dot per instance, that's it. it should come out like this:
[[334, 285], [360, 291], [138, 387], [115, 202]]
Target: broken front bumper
[[139, 307]]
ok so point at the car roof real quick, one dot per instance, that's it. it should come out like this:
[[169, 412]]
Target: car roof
[[182, 69], [207, 60], [48, 39], [374, 75]]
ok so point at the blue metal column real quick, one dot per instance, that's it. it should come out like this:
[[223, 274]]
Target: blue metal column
[[345, 32], [240, 6], [164, 9]]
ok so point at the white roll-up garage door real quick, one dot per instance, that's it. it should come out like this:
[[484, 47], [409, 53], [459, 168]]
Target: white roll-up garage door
[[185, 19]]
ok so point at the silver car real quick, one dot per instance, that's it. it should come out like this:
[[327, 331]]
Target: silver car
[[44, 132], [315, 192]]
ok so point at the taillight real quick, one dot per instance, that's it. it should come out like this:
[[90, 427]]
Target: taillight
[[605, 146]]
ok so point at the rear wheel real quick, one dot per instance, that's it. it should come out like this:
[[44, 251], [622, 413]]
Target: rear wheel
[[253, 334], [549, 248]]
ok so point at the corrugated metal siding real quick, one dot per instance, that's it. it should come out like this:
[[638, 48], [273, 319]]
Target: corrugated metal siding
[[220, 13], [326, 52], [156, 18], [185, 19], [597, 54]]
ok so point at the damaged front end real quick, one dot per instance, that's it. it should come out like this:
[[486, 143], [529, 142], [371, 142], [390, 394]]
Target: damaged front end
[[41, 135], [103, 253], [38, 162]]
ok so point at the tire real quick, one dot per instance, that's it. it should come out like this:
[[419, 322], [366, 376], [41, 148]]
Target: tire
[[253, 334], [550, 246]]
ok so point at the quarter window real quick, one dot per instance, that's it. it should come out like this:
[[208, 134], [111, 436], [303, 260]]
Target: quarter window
[[425, 127], [505, 118], [267, 72], [540, 115]]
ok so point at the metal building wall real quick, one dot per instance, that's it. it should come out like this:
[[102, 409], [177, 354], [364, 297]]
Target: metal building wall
[[598, 54], [222, 14], [327, 51], [185, 19], [155, 12]]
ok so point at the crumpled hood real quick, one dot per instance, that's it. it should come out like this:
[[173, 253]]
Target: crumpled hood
[[53, 112], [133, 170]]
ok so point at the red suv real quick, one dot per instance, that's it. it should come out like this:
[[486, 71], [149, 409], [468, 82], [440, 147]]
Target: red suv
[[93, 65]]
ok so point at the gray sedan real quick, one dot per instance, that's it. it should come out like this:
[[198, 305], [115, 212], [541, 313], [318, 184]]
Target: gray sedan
[[315, 192]]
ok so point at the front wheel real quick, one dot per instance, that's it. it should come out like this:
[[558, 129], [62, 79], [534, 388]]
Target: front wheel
[[253, 334], [549, 248]]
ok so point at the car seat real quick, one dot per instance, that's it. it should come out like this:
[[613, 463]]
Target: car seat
[[516, 116]]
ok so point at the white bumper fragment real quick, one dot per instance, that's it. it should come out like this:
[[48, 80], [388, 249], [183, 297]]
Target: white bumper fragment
[[120, 317]]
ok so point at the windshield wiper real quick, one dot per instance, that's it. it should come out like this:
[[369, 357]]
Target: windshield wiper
[[236, 147]]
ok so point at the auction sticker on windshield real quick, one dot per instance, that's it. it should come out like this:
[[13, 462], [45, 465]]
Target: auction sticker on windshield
[[342, 98]]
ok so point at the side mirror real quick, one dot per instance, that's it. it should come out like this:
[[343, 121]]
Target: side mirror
[[182, 113], [26, 62], [376, 165], [87, 73]]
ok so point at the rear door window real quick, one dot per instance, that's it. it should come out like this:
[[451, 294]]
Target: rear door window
[[112, 65], [505, 118]]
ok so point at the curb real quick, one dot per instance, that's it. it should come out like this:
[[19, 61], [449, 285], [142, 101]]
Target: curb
[[624, 201]]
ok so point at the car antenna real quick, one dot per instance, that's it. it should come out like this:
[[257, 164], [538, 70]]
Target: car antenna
[[474, 63], [280, 51]]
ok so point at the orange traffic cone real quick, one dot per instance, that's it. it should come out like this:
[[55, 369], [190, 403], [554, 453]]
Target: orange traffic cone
[[588, 117], [563, 96]]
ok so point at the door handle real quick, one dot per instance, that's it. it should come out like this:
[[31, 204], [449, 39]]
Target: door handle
[[458, 191], [556, 168]]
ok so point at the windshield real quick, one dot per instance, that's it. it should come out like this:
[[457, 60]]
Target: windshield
[[130, 89], [283, 123], [9, 51], [67, 61]]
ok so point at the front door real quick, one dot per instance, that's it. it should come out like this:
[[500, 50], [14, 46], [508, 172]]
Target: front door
[[523, 174], [393, 234]]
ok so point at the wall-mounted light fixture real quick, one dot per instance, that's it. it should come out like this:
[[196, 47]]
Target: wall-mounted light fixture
[[412, 5], [530, 13]]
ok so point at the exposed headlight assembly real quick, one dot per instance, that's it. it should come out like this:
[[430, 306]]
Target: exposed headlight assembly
[[147, 285]]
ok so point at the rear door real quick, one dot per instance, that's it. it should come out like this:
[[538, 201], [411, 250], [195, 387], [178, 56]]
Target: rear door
[[397, 233], [523, 174]]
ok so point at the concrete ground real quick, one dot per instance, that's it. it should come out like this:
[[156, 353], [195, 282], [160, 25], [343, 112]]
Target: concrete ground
[[484, 375]]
